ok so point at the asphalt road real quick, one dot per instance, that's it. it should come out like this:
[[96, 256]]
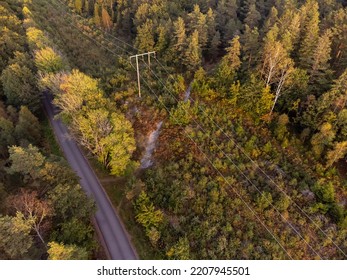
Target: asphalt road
[[114, 235]]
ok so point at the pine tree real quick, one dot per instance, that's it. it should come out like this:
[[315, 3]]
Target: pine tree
[[227, 19], [310, 35], [319, 74], [250, 49], [253, 16], [229, 65], [197, 21], [192, 58], [271, 20], [145, 38], [180, 40], [215, 44], [106, 19]]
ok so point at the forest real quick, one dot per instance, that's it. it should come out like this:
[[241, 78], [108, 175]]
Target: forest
[[248, 99], [44, 214]]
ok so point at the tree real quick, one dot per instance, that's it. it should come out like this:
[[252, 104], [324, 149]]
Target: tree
[[180, 251], [162, 42], [59, 251], [325, 191], [15, 239], [106, 19], [108, 136], [215, 44], [92, 129], [28, 127], [182, 115], [338, 152], [227, 19], [271, 20], [26, 161], [145, 39], [121, 145], [192, 56], [78, 92], [310, 33], [277, 65], [146, 214], [75, 231], [198, 22], [6, 135], [79, 5], [212, 32], [281, 127], [180, 41], [19, 86], [253, 16], [32, 210], [70, 201], [250, 43], [48, 60], [229, 65], [10, 41], [322, 139], [319, 74], [97, 19]]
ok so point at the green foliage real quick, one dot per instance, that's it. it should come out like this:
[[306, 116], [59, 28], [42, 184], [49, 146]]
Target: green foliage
[[6, 135], [48, 60], [59, 251], [182, 115], [146, 215], [281, 70], [322, 139], [264, 200], [281, 127], [179, 251], [75, 231], [19, 86], [26, 161], [193, 52], [78, 91], [28, 127], [338, 152], [70, 201], [145, 38], [36, 38], [15, 238], [325, 191]]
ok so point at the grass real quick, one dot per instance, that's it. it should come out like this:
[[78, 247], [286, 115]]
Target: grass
[[51, 143]]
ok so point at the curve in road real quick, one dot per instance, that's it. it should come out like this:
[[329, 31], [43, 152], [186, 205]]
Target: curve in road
[[114, 235]]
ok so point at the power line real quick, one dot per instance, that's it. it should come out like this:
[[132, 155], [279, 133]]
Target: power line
[[200, 126], [136, 56], [262, 171], [253, 212], [224, 178], [63, 5], [252, 161], [248, 179]]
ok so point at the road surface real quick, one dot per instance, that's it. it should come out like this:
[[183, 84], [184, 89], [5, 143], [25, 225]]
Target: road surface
[[114, 235]]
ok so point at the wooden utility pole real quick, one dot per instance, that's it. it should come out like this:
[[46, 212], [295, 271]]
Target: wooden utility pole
[[148, 54]]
